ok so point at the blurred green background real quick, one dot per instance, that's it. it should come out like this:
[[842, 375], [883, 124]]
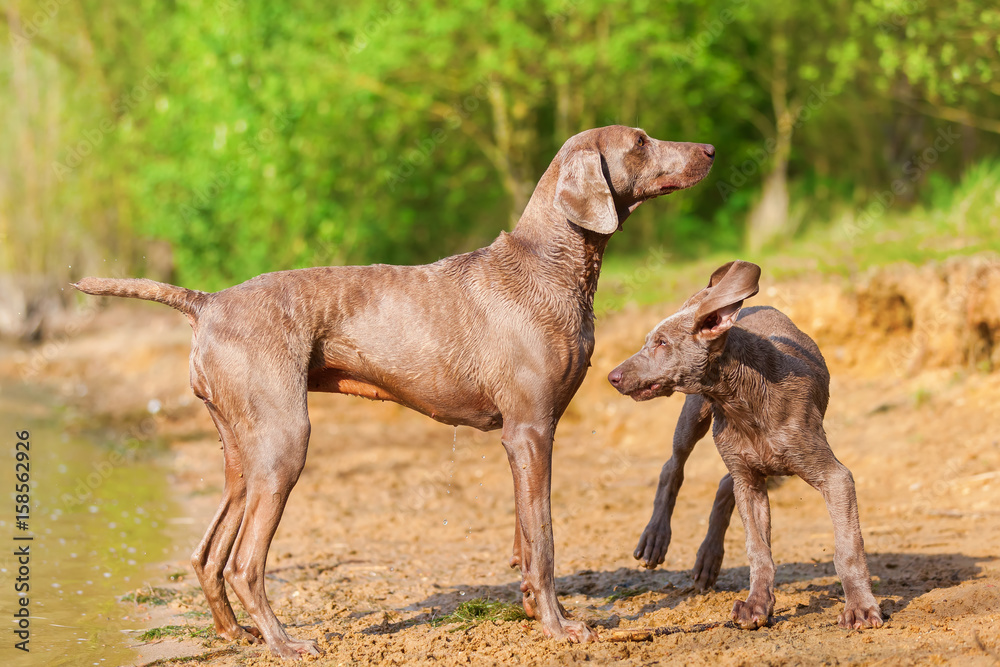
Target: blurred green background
[[205, 142]]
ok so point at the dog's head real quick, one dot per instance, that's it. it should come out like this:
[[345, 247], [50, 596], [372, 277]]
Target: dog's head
[[605, 173], [680, 350]]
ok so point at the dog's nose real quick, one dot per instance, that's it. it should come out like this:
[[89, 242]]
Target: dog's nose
[[709, 150], [615, 377]]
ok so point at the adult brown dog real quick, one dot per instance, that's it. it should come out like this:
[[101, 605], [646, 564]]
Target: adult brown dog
[[497, 338], [764, 387]]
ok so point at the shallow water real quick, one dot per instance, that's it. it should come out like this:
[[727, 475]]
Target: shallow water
[[98, 524]]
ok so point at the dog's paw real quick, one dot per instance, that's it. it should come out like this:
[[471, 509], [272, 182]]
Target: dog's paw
[[576, 632], [751, 614], [239, 633], [707, 565], [296, 648], [653, 544], [859, 616]]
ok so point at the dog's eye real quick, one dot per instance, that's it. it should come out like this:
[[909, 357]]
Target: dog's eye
[[640, 142], [662, 343]]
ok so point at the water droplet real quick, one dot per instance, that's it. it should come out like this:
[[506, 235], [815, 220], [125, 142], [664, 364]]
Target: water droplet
[[593, 432], [446, 522]]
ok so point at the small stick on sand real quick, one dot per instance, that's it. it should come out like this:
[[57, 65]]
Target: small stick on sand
[[647, 634]]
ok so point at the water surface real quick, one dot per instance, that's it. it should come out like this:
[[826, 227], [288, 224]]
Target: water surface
[[98, 525]]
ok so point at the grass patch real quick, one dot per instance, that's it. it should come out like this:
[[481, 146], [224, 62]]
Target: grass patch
[[194, 659], [150, 595], [184, 631], [476, 611], [624, 593], [921, 397]]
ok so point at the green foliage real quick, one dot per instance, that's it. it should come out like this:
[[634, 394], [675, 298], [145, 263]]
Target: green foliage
[[474, 612], [150, 595], [183, 631], [250, 136], [624, 592]]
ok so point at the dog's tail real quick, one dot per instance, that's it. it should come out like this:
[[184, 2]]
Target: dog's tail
[[185, 300]]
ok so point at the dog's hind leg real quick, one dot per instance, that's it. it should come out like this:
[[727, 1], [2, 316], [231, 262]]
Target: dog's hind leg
[[210, 557], [835, 482], [274, 438], [708, 562]]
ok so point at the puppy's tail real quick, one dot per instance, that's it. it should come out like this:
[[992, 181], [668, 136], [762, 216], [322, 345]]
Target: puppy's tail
[[187, 301]]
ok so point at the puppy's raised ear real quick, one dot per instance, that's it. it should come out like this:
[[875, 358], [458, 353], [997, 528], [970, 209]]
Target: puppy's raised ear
[[729, 285], [583, 195]]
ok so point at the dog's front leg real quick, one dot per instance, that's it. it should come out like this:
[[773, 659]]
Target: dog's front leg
[[751, 499], [692, 425], [529, 451]]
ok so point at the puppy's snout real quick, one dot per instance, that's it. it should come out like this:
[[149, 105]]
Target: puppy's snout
[[709, 150], [615, 377]]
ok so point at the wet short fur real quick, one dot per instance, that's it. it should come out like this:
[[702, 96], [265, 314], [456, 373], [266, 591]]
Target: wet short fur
[[496, 338], [763, 386]]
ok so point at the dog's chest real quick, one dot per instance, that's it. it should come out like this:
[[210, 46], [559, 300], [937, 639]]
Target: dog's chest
[[748, 443]]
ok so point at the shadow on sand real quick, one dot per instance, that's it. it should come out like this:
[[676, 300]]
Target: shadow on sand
[[898, 579]]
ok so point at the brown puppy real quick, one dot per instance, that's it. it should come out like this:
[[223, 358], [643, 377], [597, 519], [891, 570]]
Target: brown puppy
[[496, 338], [766, 386]]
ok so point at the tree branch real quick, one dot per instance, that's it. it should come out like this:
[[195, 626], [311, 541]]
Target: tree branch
[[954, 115]]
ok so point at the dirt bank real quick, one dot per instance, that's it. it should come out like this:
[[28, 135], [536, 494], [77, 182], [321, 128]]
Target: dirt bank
[[397, 520]]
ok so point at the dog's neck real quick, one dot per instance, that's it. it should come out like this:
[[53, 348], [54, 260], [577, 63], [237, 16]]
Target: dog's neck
[[734, 380], [550, 242]]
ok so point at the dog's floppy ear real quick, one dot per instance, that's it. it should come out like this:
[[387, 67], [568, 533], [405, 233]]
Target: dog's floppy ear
[[583, 195], [729, 285]]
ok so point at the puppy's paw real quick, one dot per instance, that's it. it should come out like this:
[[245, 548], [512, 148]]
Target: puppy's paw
[[707, 565], [653, 544]]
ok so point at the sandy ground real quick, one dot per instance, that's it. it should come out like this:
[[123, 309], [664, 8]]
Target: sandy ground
[[397, 520]]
